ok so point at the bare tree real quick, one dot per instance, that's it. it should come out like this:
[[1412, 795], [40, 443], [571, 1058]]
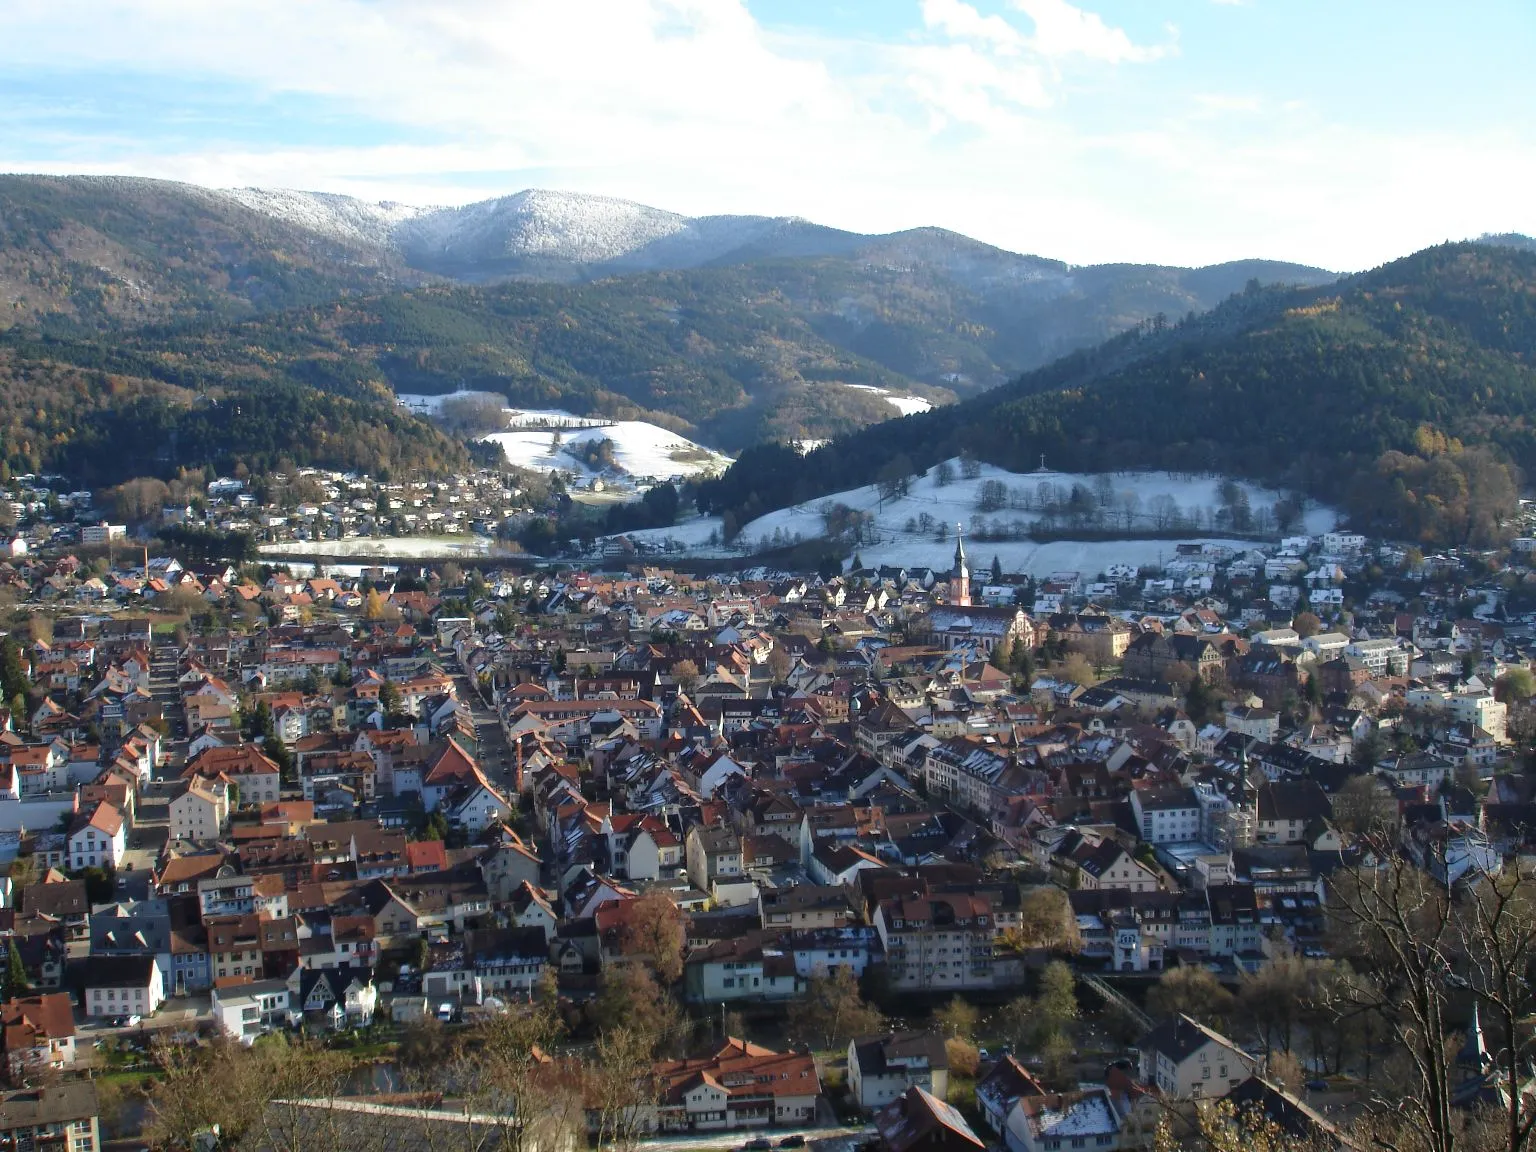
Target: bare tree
[[1496, 945], [1397, 924], [833, 1011], [621, 1090]]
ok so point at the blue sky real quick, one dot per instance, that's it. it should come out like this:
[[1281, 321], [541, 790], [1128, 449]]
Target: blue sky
[[1341, 133]]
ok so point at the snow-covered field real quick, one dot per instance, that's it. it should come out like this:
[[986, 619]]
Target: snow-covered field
[[903, 536], [639, 449], [429, 406], [401, 547], [906, 405]]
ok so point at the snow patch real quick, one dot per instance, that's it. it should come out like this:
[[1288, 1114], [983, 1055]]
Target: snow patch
[[424, 405], [640, 450], [906, 405], [402, 547]]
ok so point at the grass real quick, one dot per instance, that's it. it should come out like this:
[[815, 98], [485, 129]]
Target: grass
[[126, 1076]]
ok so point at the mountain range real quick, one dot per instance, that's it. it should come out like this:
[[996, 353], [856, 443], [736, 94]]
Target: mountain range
[[732, 329]]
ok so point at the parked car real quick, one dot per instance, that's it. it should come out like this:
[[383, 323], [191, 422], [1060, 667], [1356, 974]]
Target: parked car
[[795, 1141], [760, 1144], [1317, 1085]]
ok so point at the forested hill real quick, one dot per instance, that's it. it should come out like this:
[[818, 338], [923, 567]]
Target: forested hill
[[1397, 393], [732, 355], [86, 253]]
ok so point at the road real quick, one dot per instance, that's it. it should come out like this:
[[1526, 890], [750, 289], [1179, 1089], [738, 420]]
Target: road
[[164, 668], [819, 1139], [492, 749]]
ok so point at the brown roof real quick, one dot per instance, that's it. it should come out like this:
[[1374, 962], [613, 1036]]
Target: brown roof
[[36, 1020]]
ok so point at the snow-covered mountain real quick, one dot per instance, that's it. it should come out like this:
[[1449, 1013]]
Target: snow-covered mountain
[[340, 217], [565, 235]]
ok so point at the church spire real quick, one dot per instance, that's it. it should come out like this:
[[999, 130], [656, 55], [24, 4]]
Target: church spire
[[960, 578]]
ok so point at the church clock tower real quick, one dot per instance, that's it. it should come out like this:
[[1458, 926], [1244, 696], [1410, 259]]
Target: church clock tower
[[960, 578]]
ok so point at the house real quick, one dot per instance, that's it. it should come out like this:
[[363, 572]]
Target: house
[[97, 838], [713, 853], [1152, 655], [743, 1085], [255, 775], [60, 1117], [937, 943], [502, 962], [38, 1033], [508, 864], [1294, 1118], [201, 811], [1100, 637], [918, 1121], [1063, 1120], [342, 997], [805, 906], [881, 1068], [1166, 815], [1186, 1060], [123, 986], [1287, 808], [1107, 865], [246, 1009], [754, 967], [1003, 1086]]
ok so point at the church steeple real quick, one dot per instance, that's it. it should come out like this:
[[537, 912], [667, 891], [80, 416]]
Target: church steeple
[[960, 578]]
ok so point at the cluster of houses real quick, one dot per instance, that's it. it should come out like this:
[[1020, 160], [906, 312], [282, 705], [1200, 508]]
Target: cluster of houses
[[371, 801], [307, 506]]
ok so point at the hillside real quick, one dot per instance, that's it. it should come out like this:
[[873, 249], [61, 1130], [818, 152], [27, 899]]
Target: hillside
[[731, 355], [101, 417], [99, 253], [1381, 393], [731, 330]]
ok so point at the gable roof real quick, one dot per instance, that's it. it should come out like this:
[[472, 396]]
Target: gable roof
[[916, 1118], [1181, 1037]]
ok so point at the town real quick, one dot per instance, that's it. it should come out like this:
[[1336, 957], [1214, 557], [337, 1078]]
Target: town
[[524, 856]]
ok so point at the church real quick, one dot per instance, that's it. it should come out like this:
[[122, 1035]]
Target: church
[[960, 624]]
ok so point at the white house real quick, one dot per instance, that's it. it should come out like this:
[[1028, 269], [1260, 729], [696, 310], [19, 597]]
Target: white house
[[97, 838], [881, 1068], [244, 1011], [1166, 815], [201, 812], [123, 986], [1186, 1060], [1061, 1121]]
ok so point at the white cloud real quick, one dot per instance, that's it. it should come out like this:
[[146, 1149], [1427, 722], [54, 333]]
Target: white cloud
[[1064, 30], [960, 20]]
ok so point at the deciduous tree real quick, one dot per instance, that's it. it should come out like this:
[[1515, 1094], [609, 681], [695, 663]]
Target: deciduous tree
[[833, 1010]]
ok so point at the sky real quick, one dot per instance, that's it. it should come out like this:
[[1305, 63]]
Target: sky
[[1339, 133]]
